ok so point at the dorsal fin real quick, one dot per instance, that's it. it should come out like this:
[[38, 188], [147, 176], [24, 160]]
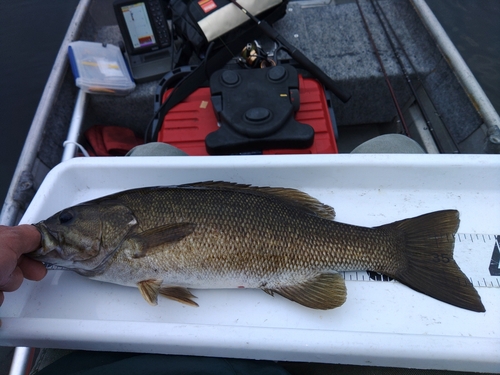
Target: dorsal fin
[[291, 197]]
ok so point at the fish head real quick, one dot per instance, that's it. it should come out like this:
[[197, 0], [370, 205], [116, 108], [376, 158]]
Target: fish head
[[83, 237]]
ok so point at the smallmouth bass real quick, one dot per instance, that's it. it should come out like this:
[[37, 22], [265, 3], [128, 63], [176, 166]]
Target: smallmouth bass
[[167, 240]]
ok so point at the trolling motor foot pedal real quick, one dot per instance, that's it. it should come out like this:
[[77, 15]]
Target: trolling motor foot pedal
[[255, 109]]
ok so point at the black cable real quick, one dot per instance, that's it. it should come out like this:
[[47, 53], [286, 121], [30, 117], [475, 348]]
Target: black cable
[[156, 116]]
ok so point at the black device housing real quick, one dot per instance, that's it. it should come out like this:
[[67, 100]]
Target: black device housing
[[156, 15], [255, 109]]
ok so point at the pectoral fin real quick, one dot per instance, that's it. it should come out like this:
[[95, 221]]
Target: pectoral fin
[[179, 294], [147, 242], [149, 290], [325, 291]]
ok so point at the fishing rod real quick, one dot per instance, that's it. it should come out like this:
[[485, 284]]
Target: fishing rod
[[405, 72], [296, 54], [391, 90]]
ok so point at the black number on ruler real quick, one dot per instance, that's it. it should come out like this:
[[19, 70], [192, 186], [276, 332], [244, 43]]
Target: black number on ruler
[[378, 276], [495, 259]]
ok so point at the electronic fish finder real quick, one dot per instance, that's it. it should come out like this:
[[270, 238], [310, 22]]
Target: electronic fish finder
[[147, 37]]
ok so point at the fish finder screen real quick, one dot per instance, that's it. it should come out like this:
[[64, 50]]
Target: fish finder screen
[[139, 27]]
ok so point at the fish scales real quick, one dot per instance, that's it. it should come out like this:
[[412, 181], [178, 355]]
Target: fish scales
[[261, 242], [165, 240]]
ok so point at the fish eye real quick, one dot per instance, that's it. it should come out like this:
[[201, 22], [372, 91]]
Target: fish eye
[[65, 217]]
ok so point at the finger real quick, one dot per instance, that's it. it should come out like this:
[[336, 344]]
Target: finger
[[32, 269], [20, 239], [1, 298], [13, 281], [13, 241], [30, 238], [8, 263]]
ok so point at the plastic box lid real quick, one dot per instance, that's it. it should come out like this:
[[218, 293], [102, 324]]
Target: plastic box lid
[[382, 323], [99, 69]]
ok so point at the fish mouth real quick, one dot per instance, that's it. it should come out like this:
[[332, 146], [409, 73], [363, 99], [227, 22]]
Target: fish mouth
[[49, 252], [55, 256], [49, 244], [54, 267]]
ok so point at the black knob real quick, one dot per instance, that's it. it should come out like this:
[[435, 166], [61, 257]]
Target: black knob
[[258, 114], [230, 77], [276, 73]]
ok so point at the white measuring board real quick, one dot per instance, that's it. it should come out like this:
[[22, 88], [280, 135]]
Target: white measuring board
[[477, 255], [381, 323]]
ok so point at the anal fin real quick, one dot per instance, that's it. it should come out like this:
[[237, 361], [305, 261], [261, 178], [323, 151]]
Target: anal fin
[[324, 291], [179, 294], [149, 290]]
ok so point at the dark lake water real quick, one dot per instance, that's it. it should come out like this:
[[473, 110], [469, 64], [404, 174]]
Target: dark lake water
[[31, 32]]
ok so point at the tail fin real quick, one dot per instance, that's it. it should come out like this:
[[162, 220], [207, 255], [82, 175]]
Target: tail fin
[[430, 267]]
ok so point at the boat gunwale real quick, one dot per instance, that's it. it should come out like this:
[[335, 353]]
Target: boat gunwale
[[9, 213], [458, 65]]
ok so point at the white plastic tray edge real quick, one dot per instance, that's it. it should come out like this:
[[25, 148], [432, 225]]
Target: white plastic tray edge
[[89, 178]]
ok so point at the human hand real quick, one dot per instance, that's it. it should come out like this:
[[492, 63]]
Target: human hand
[[14, 266]]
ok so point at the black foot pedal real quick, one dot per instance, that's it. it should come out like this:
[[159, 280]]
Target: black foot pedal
[[255, 109]]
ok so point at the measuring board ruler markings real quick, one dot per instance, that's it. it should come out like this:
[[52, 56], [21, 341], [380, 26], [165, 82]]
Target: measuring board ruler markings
[[477, 255]]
